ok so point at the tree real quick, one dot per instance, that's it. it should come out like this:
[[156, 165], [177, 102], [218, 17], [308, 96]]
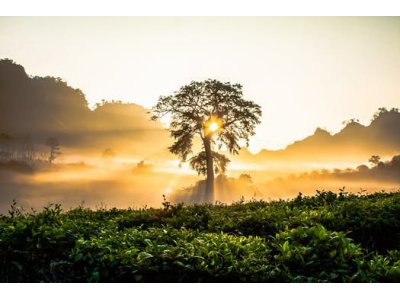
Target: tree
[[54, 145], [374, 160], [381, 111], [216, 113], [6, 146], [351, 121]]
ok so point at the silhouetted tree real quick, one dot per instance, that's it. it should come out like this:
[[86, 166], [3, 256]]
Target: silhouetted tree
[[54, 145], [217, 113], [6, 146], [26, 149], [374, 159], [17, 149], [351, 121], [383, 110]]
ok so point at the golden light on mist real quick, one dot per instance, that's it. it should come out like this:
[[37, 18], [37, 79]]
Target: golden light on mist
[[168, 191]]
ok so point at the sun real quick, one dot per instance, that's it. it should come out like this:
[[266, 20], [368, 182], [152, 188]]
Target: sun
[[213, 126]]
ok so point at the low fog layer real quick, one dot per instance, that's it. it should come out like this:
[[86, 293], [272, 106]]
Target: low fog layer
[[106, 184], [110, 184]]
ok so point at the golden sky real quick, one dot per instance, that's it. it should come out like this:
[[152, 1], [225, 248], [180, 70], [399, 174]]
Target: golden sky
[[304, 71]]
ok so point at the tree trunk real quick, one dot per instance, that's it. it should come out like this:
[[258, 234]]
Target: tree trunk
[[209, 195]]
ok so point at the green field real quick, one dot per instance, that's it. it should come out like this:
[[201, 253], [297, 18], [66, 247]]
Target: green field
[[325, 238]]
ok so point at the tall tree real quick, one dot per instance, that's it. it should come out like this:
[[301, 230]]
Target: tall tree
[[218, 114], [54, 145], [374, 160]]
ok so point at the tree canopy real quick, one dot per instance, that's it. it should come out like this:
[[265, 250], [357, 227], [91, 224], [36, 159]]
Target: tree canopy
[[214, 111]]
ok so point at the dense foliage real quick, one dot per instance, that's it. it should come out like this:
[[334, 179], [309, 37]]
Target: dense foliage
[[325, 238]]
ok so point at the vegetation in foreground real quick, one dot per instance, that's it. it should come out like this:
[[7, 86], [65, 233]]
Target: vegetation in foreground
[[324, 238]]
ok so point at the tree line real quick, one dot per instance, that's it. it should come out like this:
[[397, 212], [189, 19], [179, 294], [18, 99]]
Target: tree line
[[23, 149]]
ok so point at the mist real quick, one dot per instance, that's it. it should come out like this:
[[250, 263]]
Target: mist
[[113, 155]]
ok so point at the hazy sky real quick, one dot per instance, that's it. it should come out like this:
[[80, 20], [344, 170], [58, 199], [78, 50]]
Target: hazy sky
[[305, 72]]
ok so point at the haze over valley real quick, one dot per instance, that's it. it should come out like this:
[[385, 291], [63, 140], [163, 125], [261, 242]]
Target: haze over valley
[[115, 155]]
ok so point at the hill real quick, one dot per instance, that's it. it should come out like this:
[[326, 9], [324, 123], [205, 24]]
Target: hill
[[381, 136], [43, 107]]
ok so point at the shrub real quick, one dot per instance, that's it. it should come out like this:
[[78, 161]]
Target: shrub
[[325, 238]]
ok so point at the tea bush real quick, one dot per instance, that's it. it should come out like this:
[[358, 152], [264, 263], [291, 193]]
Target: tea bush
[[324, 238]]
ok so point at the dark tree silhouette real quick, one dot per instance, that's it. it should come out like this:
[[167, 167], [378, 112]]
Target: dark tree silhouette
[[374, 160], [6, 146], [217, 113], [54, 145]]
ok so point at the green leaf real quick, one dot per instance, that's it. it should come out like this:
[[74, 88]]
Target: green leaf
[[144, 255], [95, 276], [285, 246]]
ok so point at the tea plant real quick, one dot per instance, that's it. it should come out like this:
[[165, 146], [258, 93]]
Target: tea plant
[[324, 238]]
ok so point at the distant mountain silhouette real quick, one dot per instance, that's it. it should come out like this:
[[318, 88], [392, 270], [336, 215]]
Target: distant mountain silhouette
[[43, 107], [381, 137]]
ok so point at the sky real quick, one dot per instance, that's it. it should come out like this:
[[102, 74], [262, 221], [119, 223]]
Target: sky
[[305, 72]]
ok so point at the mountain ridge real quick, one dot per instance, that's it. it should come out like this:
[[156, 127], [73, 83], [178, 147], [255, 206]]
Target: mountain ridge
[[48, 106]]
